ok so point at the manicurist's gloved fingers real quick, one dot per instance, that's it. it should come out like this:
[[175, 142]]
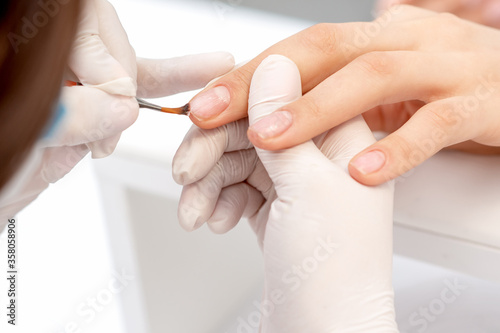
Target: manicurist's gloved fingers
[[102, 58], [343, 142], [198, 200], [57, 162], [99, 58], [164, 77], [314, 198], [93, 115], [115, 38], [234, 202], [202, 149]]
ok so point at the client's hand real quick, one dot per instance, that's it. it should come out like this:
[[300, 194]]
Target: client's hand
[[326, 239], [432, 80]]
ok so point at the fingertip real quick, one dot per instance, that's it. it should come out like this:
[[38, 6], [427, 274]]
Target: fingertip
[[189, 218], [221, 224], [98, 151], [233, 203], [228, 60], [265, 144], [103, 148], [203, 123], [181, 165], [209, 104], [218, 227], [370, 167], [227, 215], [394, 165], [130, 112], [411, 145], [185, 172], [231, 114], [274, 58], [361, 178], [179, 177], [255, 139]]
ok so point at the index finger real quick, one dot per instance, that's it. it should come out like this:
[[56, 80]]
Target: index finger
[[318, 52], [96, 63]]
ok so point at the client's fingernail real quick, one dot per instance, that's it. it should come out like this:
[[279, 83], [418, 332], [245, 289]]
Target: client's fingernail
[[370, 162], [272, 125], [492, 13], [210, 103]]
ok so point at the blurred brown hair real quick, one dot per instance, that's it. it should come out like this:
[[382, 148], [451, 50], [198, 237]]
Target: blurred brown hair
[[36, 40]]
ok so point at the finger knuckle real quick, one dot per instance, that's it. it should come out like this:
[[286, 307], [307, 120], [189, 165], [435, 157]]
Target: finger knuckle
[[221, 173], [235, 133], [323, 38], [444, 118], [239, 80], [212, 138], [243, 74], [377, 63], [124, 112], [404, 148], [309, 105]]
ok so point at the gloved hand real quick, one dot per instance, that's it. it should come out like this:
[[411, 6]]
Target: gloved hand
[[105, 62], [96, 113], [326, 239]]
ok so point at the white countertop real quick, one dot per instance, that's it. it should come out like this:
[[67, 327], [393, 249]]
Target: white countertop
[[65, 258]]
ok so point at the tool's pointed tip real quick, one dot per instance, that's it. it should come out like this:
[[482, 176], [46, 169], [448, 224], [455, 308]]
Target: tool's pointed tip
[[186, 109]]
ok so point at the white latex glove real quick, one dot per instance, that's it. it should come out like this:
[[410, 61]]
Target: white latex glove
[[104, 61], [326, 239], [96, 113]]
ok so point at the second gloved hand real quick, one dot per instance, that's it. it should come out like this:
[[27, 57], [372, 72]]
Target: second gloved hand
[[326, 239]]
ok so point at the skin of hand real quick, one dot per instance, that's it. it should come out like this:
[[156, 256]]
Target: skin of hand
[[485, 12], [326, 239], [433, 79], [96, 113]]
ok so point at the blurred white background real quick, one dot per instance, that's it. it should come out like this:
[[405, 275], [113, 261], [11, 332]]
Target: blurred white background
[[67, 261]]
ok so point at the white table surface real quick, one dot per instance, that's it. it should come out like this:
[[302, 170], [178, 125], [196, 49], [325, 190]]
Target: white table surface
[[65, 225]]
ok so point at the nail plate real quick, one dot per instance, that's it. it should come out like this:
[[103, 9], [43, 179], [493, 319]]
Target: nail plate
[[272, 125], [369, 162], [210, 103]]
